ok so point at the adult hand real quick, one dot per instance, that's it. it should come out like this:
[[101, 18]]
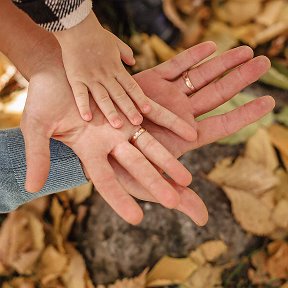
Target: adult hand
[[169, 90], [50, 112]]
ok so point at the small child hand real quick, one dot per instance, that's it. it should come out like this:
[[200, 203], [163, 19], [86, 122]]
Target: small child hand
[[92, 59]]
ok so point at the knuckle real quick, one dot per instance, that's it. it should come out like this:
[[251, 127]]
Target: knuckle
[[132, 86]]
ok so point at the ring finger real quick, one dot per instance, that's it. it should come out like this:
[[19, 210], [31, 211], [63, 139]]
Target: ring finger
[[210, 70]]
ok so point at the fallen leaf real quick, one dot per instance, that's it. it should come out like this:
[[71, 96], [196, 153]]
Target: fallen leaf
[[213, 249], [163, 51], [271, 12], [280, 214], [259, 148], [75, 274], [206, 276], [277, 263], [279, 138], [274, 78], [236, 12], [282, 117], [250, 212], [137, 282], [172, 14], [79, 194], [52, 265], [170, 271], [57, 212], [244, 174]]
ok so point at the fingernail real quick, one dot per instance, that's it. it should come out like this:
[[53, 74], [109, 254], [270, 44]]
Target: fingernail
[[137, 120], [117, 123], [87, 117], [146, 108]]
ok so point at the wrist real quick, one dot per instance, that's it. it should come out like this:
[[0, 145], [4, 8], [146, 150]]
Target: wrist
[[90, 23]]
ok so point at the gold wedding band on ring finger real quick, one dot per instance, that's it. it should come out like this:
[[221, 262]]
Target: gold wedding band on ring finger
[[188, 82], [136, 135]]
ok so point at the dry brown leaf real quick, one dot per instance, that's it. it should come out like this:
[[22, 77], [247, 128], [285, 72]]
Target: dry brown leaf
[[67, 224], [19, 282], [21, 234], [206, 276], [259, 275], [37, 206], [170, 271], [172, 14], [280, 214], [75, 274], [279, 138], [268, 199], [281, 191], [284, 285], [259, 148], [250, 212], [237, 12], [9, 120], [57, 212], [80, 194], [163, 51], [212, 250], [244, 174], [52, 265], [269, 33], [271, 12], [137, 282], [222, 35], [277, 263]]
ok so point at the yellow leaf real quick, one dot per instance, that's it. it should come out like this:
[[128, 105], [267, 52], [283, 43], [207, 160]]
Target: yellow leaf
[[75, 274], [244, 174], [271, 12], [170, 271], [280, 214], [212, 250], [52, 265], [205, 277], [163, 51], [250, 212], [57, 212], [80, 194], [259, 148]]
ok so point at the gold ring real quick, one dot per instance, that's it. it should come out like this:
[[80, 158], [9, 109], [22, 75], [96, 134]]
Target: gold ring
[[136, 135], [187, 81]]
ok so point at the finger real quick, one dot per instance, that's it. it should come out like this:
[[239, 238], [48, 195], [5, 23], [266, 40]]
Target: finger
[[163, 159], [207, 72], [133, 161], [174, 67], [190, 203], [81, 95], [106, 183], [226, 87], [134, 91], [105, 104], [165, 118], [123, 101], [126, 52], [221, 126], [37, 158]]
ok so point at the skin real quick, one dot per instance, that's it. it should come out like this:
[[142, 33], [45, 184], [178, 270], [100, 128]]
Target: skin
[[169, 89], [50, 113], [92, 59], [47, 115]]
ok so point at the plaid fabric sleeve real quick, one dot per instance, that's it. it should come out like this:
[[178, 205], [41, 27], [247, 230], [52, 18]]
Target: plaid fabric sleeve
[[56, 15]]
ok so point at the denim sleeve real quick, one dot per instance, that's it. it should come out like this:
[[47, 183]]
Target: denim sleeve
[[65, 171]]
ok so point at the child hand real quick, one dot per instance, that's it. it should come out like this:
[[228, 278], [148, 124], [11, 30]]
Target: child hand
[[92, 59]]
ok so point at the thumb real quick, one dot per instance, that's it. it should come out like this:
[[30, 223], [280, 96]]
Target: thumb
[[126, 52], [37, 159]]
